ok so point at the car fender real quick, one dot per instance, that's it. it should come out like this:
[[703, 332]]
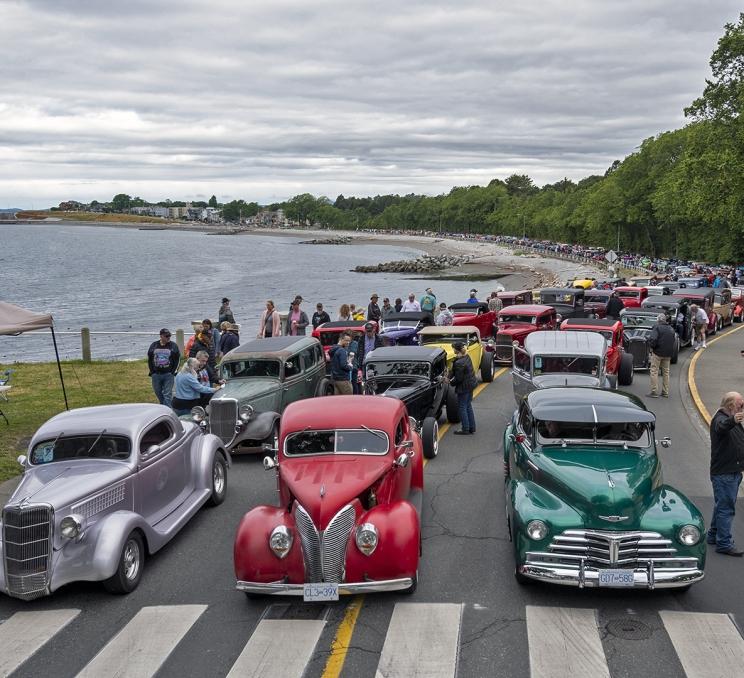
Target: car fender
[[529, 501], [254, 560], [258, 427], [208, 446], [109, 535], [397, 552]]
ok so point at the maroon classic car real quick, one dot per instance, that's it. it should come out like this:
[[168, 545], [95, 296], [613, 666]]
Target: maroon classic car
[[350, 476], [475, 314], [516, 322], [595, 302], [632, 297], [515, 298]]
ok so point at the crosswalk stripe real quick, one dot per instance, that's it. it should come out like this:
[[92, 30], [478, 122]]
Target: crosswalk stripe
[[564, 643], [278, 648], [141, 647], [422, 640], [708, 645], [25, 632]]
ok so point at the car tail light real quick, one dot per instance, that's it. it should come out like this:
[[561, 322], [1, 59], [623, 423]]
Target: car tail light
[[520, 437]]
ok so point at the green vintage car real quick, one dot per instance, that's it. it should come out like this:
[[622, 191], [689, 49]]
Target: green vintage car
[[262, 377], [585, 501]]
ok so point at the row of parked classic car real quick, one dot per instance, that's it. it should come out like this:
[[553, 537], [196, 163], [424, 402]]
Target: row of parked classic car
[[585, 503]]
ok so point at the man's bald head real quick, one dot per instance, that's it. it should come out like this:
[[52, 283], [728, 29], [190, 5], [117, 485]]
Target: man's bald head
[[732, 402]]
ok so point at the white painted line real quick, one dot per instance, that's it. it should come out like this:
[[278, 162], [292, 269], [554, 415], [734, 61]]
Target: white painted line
[[708, 645], [423, 640], [141, 647], [564, 643], [25, 632], [279, 647]]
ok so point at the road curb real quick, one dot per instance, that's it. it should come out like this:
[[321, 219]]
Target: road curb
[[692, 385]]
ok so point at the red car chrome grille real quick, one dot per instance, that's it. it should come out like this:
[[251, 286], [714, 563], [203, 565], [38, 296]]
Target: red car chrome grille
[[324, 552]]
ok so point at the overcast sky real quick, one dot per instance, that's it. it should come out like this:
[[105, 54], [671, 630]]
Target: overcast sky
[[264, 100]]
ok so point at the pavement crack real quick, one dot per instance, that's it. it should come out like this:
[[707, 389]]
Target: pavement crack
[[491, 629]]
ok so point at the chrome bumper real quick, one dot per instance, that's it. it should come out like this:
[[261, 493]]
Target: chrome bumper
[[583, 575], [344, 588]]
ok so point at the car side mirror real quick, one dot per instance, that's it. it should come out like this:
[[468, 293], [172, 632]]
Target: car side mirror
[[666, 441], [22, 460], [402, 460], [269, 463]]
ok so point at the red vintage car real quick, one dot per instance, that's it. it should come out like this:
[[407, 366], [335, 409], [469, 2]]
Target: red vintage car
[[617, 361], [350, 476], [595, 302], [632, 297], [520, 297], [477, 315], [329, 333], [516, 322], [737, 301]]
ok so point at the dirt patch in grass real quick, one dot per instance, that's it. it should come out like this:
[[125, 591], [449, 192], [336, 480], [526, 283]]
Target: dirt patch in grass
[[37, 396]]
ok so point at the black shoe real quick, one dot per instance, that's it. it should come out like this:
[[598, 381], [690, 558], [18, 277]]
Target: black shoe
[[732, 552], [711, 543], [461, 433]]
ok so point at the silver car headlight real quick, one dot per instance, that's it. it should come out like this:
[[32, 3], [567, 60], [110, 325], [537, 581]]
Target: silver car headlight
[[688, 535], [537, 530], [198, 414], [280, 541], [71, 527], [366, 538], [245, 412]]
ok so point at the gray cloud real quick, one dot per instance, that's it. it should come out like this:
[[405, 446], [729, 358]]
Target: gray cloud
[[265, 100]]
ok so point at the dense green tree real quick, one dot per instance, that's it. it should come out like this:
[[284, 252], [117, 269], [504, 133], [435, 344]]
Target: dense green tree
[[121, 202], [213, 201]]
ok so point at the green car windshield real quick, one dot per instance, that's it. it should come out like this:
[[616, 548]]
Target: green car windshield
[[251, 368], [630, 434]]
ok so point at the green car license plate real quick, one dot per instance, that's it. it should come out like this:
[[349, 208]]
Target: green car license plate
[[320, 592], [616, 577]]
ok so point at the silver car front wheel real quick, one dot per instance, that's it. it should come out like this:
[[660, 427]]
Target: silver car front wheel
[[129, 570]]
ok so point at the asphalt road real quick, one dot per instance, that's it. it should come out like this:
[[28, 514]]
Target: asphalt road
[[468, 616]]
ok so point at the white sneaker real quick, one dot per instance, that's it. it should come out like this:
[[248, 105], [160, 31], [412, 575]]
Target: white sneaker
[[695, 348], [705, 345]]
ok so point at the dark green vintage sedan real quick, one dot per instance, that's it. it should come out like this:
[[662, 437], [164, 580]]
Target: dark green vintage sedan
[[585, 501]]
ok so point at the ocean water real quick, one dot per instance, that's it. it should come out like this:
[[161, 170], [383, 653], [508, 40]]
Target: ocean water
[[127, 280]]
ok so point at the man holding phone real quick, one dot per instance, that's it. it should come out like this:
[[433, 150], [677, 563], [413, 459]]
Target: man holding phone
[[726, 466]]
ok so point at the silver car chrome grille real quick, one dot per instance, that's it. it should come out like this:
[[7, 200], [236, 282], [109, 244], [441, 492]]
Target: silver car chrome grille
[[324, 553], [100, 502], [335, 537], [27, 548], [310, 540], [223, 415], [616, 549]]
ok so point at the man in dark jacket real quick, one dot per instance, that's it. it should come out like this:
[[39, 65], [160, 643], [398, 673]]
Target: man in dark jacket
[[726, 465], [230, 339], [464, 380], [614, 306], [340, 367], [662, 340], [373, 309], [320, 316], [369, 341], [162, 361]]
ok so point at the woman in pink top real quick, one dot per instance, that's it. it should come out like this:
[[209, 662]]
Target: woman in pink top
[[296, 320]]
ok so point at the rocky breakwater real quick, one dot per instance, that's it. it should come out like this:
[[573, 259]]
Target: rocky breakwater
[[424, 264], [341, 240]]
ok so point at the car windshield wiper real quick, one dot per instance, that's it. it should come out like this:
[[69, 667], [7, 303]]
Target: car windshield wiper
[[95, 442], [374, 433], [61, 433]]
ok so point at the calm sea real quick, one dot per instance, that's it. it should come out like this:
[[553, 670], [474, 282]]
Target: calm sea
[[117, 279]]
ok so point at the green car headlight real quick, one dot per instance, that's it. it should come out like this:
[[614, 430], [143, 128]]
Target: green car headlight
[[537, 530], [688, 535]]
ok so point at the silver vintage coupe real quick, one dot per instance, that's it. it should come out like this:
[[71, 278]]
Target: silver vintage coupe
[[103, 486]]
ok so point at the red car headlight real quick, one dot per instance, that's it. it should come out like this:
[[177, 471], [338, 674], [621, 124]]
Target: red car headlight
[[366, 538], [280, 541]]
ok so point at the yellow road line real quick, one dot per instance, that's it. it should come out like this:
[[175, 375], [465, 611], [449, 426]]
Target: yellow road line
[[702, 409], [342, 639]]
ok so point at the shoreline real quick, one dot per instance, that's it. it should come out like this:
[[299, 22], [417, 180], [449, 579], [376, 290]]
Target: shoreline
[[492, 261]]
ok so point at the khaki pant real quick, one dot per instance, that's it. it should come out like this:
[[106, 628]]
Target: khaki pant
[[699, 331], [342, 387], [656, 362]]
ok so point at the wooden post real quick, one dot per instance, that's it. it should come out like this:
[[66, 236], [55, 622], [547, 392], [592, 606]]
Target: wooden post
[[85, 337], [179, 341]]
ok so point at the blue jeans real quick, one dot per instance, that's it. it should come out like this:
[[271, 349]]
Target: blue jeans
[[162, 384], [725, 489], [465, 408]]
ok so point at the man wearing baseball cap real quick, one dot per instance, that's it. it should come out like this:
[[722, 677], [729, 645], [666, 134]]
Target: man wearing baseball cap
[[428, 302], [369, 342], [225, 314], [472, 299], [162, 361]]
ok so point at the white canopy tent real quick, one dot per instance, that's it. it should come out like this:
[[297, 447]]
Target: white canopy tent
[[15, 320]]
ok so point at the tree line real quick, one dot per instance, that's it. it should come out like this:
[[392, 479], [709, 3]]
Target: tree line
[[680, 194]]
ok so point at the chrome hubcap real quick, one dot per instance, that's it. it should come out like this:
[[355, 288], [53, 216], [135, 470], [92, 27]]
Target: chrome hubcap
[[218, 478], [131, 559], [436, 438]]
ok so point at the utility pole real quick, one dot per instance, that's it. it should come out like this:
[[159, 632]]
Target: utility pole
[[618, 237]]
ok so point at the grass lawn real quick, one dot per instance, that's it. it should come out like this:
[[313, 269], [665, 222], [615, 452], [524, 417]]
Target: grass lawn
[[37, 395], [94, 216]]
